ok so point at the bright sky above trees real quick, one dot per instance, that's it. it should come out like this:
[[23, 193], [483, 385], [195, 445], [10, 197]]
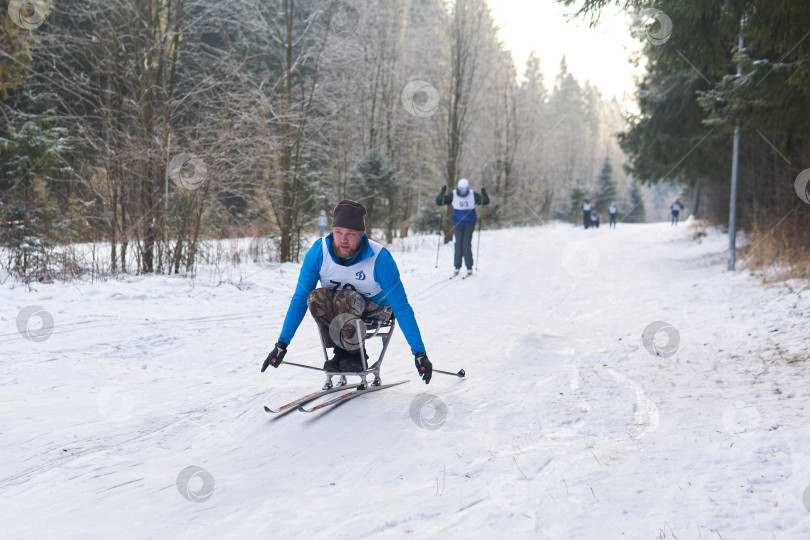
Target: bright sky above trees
[[597, 54]]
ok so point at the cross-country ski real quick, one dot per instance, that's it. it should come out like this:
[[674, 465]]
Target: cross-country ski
[[293, 405], [335, 401]]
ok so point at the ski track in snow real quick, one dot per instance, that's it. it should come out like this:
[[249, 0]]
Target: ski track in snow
[[565, 426]]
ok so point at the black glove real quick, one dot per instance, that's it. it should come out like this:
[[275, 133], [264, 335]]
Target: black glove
[[484, 190], [423, 366], [276, 356], [444, 190]]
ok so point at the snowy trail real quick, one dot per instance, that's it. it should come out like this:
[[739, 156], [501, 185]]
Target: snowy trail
[[565, 427]]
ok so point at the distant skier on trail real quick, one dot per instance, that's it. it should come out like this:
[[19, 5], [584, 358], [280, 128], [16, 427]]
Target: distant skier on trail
[[595, 220], [586, 213], [464, 201], [613, 211], [676, 209], [359, 277]]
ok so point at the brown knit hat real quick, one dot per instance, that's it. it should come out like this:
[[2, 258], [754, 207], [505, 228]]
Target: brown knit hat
[[349, 215]]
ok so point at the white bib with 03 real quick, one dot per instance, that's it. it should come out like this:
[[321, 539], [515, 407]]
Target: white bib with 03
[[357, 277]]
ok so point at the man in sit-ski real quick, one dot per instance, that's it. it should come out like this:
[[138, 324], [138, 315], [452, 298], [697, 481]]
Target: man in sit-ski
[[358, 277]]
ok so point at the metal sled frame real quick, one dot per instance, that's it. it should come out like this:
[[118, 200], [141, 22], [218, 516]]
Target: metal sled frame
[[383, 330]]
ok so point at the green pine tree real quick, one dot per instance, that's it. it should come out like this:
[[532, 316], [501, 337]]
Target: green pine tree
[[606, 189], [636, 214], [374, 185]]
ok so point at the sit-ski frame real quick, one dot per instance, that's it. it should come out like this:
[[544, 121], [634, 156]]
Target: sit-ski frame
[[372, 325]]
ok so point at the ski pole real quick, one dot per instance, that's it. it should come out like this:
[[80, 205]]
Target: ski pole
[[478, 246], [441, 232], [301, 365], [460, 374]]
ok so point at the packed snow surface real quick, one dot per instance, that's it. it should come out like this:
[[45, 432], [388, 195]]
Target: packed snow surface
[[620, 384]]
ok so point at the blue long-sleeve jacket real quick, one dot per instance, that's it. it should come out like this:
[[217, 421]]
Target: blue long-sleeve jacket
[[386, 274]]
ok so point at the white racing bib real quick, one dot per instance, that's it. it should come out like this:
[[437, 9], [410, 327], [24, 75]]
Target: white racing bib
[[357, 277], [464, 203]]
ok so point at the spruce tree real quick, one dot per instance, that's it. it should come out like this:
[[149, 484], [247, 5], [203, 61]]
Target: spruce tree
[[373, 184], [606, 189], [636, 214]]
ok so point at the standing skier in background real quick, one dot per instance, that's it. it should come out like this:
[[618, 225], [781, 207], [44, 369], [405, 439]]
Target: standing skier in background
[[322, 222], [676, 209], [613, 211], [464, 201], [358, 277], [586, 213]]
